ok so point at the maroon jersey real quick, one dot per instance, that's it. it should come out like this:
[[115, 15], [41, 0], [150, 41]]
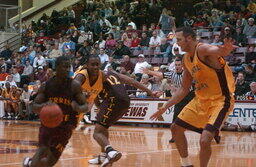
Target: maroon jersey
[[63, 97], [113, 88]]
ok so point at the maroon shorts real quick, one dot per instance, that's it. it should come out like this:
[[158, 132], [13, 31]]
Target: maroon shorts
[[110, 112], [55, 138]]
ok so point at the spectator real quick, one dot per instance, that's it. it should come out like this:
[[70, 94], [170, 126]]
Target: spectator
[[216, 40], [39, 61], [16, 76], [121, 50], [110, 65], [40, 40], [7, 53], [251, 95], [85, 36], [3, 74], [110, 42], [145, 82], [240, 38], [116, 33], [142, 63], [25, 102], [103, 56], [68, 44], [25, 76], [85, 49], [40, 74], [250, 74], [10, 81], [242, 86], [74, 37], [250, 28], [104, 28], [166, 21], [127, 64], [250, 55], [3, 65], [144, 43], [131, 23], [155, 41], [127, 41], [135, 41]]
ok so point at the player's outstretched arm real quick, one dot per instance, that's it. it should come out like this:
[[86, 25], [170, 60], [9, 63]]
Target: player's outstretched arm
[[40, 100], [177, 96], [79, 103], [134, 83], [220, 50], [153, 73]]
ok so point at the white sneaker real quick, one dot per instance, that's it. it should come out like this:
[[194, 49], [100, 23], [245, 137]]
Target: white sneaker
[[87, 120], [99, 159], [26, 162], [112, 157]]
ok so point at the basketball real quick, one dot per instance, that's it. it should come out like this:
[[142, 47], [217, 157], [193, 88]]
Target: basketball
[[51, 116]]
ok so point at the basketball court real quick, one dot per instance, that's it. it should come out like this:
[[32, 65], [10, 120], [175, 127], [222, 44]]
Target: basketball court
[[141, 147]]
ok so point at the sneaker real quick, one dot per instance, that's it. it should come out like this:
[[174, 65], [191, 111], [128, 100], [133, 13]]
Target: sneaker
[[87, 120], [172, 141], [99, 159], [112, 157], [26, 162]]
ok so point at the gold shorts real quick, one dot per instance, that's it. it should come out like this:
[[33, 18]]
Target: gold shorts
[[205, 114]]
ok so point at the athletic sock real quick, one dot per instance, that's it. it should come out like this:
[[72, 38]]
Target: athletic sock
[[108, 148]]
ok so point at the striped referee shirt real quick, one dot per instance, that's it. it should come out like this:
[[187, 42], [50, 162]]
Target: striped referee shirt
[[175, 78]]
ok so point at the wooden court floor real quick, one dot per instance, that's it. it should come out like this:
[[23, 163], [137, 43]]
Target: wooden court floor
[[141, 147]]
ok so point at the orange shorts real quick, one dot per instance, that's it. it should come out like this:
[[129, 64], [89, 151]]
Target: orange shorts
[[205, 114]]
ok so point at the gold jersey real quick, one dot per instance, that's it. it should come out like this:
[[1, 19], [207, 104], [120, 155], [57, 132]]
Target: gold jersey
[[94, 89], [210, 83]]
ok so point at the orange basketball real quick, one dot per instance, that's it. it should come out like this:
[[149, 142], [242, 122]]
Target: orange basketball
[[51, 116]]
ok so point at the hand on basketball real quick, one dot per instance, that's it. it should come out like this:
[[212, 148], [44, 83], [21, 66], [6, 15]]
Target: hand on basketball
[[158, 114]]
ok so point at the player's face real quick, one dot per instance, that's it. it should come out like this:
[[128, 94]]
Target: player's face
[[63, 69], [182, 41], [93, 66]]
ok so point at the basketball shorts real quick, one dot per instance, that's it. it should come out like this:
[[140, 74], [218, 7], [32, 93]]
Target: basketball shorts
[[111, 111], [55, 138], [205, 114]]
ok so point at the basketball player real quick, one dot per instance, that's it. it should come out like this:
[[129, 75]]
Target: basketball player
[[67, 93], [213, 99], [175, 78], [114, 104]]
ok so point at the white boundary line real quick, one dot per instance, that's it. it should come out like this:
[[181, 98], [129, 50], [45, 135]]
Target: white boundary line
[[132, 153]]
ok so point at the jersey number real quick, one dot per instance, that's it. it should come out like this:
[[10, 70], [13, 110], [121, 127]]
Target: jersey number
[[113, 80]]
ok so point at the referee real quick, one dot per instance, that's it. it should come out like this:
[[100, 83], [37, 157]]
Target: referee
[[175, 78]]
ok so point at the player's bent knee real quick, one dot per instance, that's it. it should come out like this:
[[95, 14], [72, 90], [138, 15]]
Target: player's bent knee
[[176, 129], [205, 140]]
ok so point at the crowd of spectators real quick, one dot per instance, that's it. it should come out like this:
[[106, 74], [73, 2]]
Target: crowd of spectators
[[127, 36]]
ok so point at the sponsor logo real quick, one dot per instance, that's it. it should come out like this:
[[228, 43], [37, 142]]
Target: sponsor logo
[[137, 111], [243, 112]]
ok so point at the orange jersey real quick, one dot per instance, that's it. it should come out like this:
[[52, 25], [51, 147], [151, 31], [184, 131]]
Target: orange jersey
[[93, 90], [210, 83]]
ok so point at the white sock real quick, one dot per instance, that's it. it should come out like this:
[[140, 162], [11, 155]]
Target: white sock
[[185, 161], [107, 147]]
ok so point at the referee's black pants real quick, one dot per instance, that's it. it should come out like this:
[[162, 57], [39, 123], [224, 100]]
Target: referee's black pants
[[178, 107]]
